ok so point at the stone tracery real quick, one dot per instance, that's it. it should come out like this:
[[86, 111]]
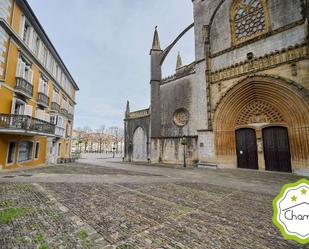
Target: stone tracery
[[248, 19]]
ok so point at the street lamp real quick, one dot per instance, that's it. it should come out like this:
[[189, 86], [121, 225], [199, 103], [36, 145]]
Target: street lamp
[[114, 152], [184, 143]]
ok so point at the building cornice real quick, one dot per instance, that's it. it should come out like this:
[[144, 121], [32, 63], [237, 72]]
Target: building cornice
[[24, 48], [26, 9]]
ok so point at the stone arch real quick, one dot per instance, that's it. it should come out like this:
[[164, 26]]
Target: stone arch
[[278, 101], [139, 144]]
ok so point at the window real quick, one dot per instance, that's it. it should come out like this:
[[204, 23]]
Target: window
[[26, 33], [11, 153], [37, 46], [67, 150], [53, 120], [249, 18], [45, 52], [43, 85], [59, 149], [23, 70], [19, 107], [37, 150], [25, 151]]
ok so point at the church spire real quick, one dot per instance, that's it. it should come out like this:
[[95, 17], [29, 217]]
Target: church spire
[[179, 61], [156, 41]]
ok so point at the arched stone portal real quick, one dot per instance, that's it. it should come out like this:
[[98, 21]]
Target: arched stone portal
[[258, 102], [139, 145]]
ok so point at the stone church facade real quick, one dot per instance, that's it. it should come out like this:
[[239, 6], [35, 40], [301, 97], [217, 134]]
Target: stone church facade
[[243, 102]]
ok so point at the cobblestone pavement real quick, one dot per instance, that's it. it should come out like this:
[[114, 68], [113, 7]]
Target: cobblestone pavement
[[114, 205]]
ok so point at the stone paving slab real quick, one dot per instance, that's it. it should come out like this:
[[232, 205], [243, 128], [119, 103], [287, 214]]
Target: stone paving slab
[[42, 222], [185, 212], [78, 169]]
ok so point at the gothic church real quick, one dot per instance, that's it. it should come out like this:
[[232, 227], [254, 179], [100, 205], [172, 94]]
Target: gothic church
[[243, 102]]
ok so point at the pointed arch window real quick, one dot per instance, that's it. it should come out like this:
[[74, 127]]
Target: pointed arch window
[[249, 19]]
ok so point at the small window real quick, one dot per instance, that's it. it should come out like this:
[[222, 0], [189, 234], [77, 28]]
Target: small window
[[25, 151], [11, 153], [67, 150], [37, 150], [59, 149]]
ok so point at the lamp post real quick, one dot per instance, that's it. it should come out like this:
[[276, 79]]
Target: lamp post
[[114, 151], [184, 143]]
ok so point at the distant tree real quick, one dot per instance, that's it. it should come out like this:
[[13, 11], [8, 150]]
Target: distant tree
[[117, 134], [100, 136]]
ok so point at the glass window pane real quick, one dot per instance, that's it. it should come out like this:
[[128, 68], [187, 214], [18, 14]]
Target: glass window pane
[[11, 152]]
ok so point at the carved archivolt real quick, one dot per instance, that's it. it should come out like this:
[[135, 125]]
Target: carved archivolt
[[259, 112], [249, 19], [263, 99]]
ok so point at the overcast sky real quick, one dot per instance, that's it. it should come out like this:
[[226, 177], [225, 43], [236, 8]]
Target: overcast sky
[[105, 44]]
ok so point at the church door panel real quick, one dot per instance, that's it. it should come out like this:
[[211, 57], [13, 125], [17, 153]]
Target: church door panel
[[246, 149], [277, 149]]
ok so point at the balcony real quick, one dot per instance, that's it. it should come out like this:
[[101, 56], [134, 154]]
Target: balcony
[[21, 124], [64, 112], [70, 116], [55, 107], [43, 100], [59, 132], [23, 87]]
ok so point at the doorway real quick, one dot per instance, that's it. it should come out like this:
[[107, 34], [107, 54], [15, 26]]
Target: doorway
[[276, 149], [246, 147]]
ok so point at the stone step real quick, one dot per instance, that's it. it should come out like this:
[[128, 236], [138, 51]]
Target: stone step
[[205, 165]]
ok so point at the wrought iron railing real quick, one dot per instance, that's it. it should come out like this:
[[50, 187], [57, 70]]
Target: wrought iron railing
[[24, 87], [59, 132], [43, 99], [55, 107], [64, 111], [26, 123]]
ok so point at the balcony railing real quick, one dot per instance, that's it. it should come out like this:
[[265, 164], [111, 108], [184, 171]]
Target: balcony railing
[[43, 99], [25, 124], [64, 112], [70, 116], [23, 87], [55, 107], [59, 132]]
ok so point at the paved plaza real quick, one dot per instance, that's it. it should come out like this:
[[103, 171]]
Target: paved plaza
[[103, 203]]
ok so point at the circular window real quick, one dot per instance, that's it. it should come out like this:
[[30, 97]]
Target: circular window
[[181, 117]]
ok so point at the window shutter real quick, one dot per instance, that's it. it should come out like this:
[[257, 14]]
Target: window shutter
[[30, 76], [22, 26], [22, 69], [18, 68], [13, 105], [47, 117], [30, 42], [28, 110]]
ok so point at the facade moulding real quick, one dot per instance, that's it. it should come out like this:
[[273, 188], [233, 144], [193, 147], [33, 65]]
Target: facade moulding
[[268, 61], [25, 50], [260, 37]]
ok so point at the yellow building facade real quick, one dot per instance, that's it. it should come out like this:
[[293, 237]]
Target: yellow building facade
[[37, 92]]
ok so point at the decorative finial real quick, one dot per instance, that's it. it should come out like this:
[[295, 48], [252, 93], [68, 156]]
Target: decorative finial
[[156, 41], [179, 61]]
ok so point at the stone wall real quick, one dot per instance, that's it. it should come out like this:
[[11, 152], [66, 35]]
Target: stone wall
[[171, 150], [177, 94]]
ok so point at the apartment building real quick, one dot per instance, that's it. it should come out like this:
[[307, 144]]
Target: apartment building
[[37, 92]]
